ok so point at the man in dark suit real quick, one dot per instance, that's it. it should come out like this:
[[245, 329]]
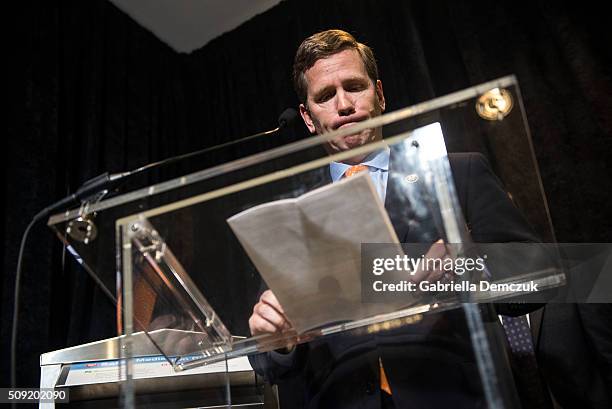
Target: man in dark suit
[[426, 365]]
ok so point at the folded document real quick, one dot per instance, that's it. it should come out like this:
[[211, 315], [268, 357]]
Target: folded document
[[308, 249]]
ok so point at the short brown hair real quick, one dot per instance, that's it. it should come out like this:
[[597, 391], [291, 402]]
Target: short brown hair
[[323, 45]]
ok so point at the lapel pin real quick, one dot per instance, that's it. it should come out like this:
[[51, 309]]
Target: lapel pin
[[412, 178]]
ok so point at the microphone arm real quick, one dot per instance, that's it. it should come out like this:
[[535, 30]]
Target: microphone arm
[[201, 151], [285, 119]]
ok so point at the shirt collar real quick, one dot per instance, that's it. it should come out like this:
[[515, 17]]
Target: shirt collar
[[378, 160]]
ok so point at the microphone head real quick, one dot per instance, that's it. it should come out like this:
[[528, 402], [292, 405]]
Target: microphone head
[[287, 117]]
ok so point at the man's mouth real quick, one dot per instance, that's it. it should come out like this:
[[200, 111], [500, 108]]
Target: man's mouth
[[347, 122], [346, 125]]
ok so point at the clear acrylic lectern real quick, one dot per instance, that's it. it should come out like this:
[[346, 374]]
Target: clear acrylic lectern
[[184, 281]]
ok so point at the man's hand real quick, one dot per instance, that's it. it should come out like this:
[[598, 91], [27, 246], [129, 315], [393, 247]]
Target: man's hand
[[436, 251], [268, 316]]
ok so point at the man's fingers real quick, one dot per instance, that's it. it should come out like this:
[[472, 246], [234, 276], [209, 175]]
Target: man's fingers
[[287, 324], [269, 298], [435, 275], [437, 250], [259, 325], [270, 314]]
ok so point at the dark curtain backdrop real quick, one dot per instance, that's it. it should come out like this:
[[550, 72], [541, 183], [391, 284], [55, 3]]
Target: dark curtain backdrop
[[90, 90]]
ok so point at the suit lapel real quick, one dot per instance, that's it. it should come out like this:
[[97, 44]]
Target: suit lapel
[[395, 204], [535, 324]]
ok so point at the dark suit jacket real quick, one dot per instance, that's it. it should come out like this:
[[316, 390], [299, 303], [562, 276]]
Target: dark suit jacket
[[575, 354], [429, 364]]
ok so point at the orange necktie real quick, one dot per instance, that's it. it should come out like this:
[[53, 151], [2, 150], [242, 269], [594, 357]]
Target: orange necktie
[[353, 170], [384, 383]]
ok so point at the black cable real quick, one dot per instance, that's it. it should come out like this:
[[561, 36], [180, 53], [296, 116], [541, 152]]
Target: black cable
[[16, 301]]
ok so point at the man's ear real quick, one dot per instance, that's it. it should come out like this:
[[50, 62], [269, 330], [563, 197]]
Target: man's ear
[[380, 95], [307, 118]]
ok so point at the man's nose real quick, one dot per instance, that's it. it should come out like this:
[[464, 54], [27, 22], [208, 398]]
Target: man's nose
[[345, 104]]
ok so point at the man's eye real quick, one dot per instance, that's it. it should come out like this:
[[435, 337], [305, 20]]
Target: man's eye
[[324, 97], [355, 88]]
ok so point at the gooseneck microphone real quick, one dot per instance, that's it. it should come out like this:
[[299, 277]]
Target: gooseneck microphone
[[285, 119], [106, 180], [98, 184]]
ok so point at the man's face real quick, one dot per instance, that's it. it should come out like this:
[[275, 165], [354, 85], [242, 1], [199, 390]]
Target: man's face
[[340, 94]]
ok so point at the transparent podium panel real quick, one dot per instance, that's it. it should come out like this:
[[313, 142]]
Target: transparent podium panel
[[397, 269]]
